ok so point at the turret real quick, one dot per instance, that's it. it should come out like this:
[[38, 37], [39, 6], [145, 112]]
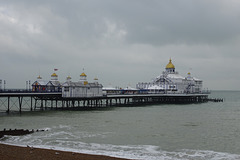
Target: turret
[[54, 77], [170, 68], [83, 78], [68, 79]]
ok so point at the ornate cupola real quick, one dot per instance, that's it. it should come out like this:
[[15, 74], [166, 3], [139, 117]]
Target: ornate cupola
[[68, 79], [170, 68], [96, 80], [83, 78], [54, 77], [39, 77]]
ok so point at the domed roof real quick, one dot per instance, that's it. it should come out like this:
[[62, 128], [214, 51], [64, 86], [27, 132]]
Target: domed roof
[[39, 77], [170, 65], [54, 75], [83, 75]]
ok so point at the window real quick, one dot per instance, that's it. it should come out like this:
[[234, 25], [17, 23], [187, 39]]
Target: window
[[66, 89]]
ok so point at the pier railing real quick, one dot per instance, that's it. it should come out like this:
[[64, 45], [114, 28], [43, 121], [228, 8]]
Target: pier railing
[[25, 91]]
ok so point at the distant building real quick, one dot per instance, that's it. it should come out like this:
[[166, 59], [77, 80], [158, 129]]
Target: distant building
[[82, 88], [171, 82]]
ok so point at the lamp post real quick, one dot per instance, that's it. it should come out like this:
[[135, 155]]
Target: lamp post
[[0, 84], [29, 82], [4, 83]]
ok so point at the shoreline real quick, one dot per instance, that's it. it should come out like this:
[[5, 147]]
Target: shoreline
[[11, 152]]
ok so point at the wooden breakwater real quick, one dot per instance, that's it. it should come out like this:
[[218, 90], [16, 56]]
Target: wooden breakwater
[[17, 132]]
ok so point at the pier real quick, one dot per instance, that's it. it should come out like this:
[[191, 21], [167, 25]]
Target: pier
[[167, 88], [25, 100]]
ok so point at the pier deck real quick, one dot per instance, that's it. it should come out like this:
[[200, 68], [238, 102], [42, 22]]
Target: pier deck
[[14, 100]]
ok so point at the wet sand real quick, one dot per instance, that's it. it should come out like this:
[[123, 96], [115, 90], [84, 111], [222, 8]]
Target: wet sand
[[9, 152]]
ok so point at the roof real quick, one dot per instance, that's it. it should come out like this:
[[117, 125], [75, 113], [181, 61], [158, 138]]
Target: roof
[[40, 82], [196, 79], [175, 76], [53, 83], [170, 65], [155, 87], [130, 88], [110, 88]]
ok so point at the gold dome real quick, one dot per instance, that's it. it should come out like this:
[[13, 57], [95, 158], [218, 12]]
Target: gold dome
[[83, 75], [54, 75], [39, 77], [170, 65]]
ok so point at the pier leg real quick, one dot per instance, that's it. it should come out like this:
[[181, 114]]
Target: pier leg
[[35, 105], [45, 104], [51, 104], [73, 103], [20, 103], [31, 104], [8, 109], [41, 104]]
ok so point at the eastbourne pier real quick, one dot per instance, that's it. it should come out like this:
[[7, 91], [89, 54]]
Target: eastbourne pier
[[167, 88]]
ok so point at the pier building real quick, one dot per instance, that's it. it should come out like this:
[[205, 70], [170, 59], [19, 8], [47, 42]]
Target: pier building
[[170, 81], [39, 84], [54, 85], [42, 85], [82, 88]]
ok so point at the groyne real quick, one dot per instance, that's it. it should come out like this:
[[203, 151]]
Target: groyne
[[17, 132]]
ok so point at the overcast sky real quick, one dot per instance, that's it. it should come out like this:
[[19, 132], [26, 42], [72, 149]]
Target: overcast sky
[[121, 42]]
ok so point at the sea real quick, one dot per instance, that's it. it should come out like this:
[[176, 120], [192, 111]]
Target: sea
[[204, 131]]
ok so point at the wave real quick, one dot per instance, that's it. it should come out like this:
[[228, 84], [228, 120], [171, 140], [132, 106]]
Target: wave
[[144, 152], [61, 138]]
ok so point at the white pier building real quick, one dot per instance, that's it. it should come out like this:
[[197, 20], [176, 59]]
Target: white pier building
[[51, 86], [82, 88], [171, 82]]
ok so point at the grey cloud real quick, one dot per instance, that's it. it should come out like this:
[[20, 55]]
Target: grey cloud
[[121, 41]]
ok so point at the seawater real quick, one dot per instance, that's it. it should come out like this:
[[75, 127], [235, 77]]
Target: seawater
[[153, 132]]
